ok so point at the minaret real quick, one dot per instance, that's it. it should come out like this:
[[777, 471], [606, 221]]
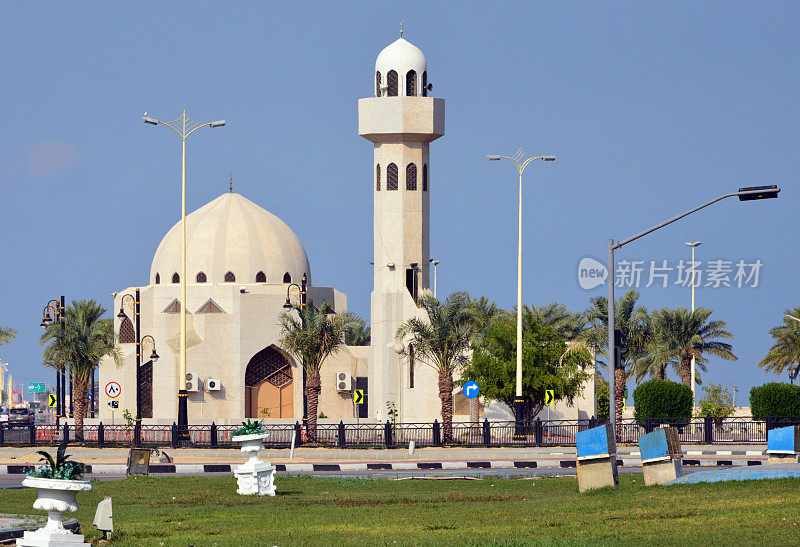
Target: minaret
[[401, 120]]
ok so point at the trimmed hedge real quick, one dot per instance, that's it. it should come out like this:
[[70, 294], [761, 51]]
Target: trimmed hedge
[[602, 399], [662, 400], [774, 399]]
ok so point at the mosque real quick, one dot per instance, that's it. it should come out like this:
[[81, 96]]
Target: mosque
[[242, 264]]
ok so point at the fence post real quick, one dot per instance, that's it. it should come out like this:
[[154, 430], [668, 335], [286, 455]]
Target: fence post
[[341, 440], [487, 433], [437, 433], [592, 422], [387, 428], [32, 433], [708, 429], [648, 425], [101, 435], [213, 435], [174, 435], [769, 423], [66, 432], [137, 434], [538, 431], [298, 438], [2, 434]]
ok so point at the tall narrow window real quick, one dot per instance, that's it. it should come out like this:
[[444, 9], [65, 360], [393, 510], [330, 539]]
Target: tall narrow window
[[411, 176], [176, 278], [261, 277], [287, 278], [411, 366], [391, 83], [378, 177], [200, 277], [378, 84], [391, 177], [158, 279], [230, 278], [425, 83], [411, 83], [424, 177]]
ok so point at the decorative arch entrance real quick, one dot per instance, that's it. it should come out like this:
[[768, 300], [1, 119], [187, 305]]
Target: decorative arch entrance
[[268, 384]]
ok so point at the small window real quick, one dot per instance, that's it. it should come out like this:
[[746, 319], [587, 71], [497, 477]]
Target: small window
[[391, 83], [411, 366], [200, 277], [230, 278], [210, 307], [411, 83], [173, 307], [378, 178], [261, 277], [176, 278], [424, 177], [378, 84], [425, 83], [158, 279], [411, 176], [391, 177], [287, 278]]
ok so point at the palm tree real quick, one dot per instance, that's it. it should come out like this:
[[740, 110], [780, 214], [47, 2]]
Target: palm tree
[[357, 332], [86, 339], [679, 335], [442, 341], [632, 321], [567, 324], [7, 334], [312, 336], [785, 352]]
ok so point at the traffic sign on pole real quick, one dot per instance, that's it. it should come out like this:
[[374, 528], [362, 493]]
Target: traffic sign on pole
[[113, 390], [358, 396], [113, 404], [549, 397], [52, 400], [471, 390]]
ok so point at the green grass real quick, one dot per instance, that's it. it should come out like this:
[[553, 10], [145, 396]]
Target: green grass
[[326, 511]]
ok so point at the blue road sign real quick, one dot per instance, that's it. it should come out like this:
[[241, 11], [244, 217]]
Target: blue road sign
[[471, 390]]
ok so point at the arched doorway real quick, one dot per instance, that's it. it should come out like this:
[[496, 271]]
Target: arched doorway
[[268, 384]]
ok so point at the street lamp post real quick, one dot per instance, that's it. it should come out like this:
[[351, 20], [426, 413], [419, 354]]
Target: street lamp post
[[302, 288], [744, 194], [140, 341], [520, 162], [56, 307], [793, 373], [183, 126], [435, 281], [694, 284]]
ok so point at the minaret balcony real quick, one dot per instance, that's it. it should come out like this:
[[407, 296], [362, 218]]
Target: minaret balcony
[[401, 119]]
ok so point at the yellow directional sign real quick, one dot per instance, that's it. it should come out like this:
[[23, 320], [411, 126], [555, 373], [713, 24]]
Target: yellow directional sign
[[623, 405], [358, 396], [52, 401], [549, 396]]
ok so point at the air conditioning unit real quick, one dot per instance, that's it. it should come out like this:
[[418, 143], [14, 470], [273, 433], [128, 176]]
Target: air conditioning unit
[[213, 384], [192, 382], [343, 381]]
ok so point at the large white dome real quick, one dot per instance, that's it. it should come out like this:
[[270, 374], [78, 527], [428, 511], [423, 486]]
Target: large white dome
[[232, 234]]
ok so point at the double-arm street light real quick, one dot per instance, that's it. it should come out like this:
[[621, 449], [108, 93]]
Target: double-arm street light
[[520, 162], [693, 244], [299, 291], [744, 194], [135, 302], [183, 126], [53, 312]]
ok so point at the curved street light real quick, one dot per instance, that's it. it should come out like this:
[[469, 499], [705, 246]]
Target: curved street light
[[56, 307]]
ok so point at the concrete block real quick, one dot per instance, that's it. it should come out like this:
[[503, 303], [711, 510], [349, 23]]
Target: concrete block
[[660, 472], [777, 458], [597, 473]]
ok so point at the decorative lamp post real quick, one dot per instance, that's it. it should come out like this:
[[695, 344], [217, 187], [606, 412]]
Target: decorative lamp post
[[435, 280], [56, 308], [520, 162], [183, 126], [295, 290], [694, 284]]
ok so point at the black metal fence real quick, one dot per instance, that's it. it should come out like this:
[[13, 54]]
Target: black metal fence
[[744, 430]]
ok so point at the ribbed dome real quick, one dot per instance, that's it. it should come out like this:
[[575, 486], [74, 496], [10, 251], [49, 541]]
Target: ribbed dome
[[232, 234], [401, 56]]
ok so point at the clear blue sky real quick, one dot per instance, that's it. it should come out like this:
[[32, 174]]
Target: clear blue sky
[[650, 108]]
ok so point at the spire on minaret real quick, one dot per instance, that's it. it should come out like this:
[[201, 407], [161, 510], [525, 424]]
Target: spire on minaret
[[402, 21], [230, 183]]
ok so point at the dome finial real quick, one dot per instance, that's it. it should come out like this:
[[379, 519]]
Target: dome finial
[[230, 183], [402, 21]]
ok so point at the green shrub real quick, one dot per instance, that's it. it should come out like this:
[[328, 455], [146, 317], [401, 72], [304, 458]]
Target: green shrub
[[774, 399], [663, 401], [602, 398], [717, 402]]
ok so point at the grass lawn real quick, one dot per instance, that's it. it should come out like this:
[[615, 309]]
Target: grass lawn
[[327, 511]]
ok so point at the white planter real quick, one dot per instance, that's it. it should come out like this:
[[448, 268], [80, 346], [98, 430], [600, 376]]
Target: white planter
[[254, 476], [56, 496]]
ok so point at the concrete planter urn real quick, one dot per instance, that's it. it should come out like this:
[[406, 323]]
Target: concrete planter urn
[[254, 476], [56, 496]]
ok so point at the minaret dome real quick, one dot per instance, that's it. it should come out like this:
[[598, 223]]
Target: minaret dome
[[401, 70]]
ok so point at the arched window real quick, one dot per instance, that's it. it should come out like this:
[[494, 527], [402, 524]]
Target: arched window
[[230, 278], [146, 389], [158, 279], [411, 366], [378, 84], [411, 176], [391, 83], [127, 334], [424, 177], [411, 83], [261, 277], [176, 278], [425, 83], [287, 278], [200, 277], [378, 177], [391, 177]]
